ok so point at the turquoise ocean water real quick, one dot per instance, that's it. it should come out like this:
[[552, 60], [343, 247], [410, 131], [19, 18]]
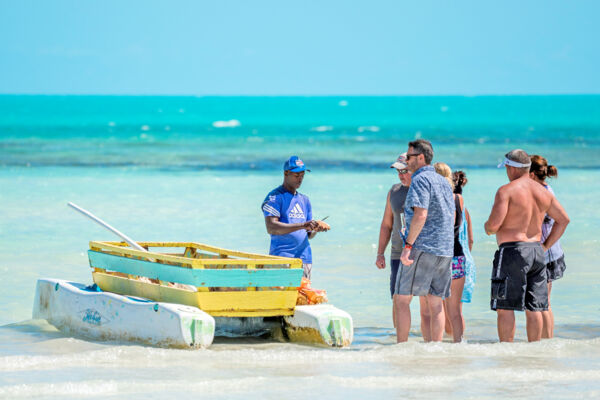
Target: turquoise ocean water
[[198, 168]]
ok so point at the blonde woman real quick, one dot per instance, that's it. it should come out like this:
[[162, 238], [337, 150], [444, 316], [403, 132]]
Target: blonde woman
[[453, 304]]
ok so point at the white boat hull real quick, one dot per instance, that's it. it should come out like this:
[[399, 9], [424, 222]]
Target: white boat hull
[[98, 315], [321, 324]]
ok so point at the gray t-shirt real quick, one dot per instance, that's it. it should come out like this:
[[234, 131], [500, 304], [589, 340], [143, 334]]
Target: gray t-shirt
[[431, 191], [397, 195]]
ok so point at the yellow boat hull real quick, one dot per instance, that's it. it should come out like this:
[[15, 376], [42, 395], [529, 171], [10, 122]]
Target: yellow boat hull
[[244, 303]]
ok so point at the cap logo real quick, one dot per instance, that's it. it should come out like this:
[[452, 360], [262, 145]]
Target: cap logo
[[299, 163]]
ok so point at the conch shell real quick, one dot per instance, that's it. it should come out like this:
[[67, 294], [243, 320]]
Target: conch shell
[[324, 225]]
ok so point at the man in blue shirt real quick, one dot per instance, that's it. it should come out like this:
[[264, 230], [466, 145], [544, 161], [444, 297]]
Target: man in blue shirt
[[429, 246], [288, 217]]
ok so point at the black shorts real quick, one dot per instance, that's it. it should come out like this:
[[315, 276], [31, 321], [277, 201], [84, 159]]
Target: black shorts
[[519, 279], [556, 269], [394, 271]]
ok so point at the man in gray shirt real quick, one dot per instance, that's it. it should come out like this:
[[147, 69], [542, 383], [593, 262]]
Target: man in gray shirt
[[393, 223], [429, 246]]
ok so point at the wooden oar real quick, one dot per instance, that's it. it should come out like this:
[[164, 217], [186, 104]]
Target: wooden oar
[[126, 238]]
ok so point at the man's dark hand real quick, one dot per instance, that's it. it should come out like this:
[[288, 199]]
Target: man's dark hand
[[311, 226]]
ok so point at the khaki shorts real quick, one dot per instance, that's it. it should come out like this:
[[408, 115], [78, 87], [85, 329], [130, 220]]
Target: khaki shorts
[[428, 274]]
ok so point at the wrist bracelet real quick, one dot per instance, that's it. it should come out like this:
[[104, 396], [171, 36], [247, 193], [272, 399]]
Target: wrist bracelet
[[408, 246], [380, 255]]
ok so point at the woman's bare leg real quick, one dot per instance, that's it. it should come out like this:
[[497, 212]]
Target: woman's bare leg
[[454, 308], [548, 318]]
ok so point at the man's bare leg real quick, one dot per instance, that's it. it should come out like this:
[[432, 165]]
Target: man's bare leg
[[548, 318], [436, 310], [506, 325], [534, 325], [402, 303], [454, 309], [425, 319]]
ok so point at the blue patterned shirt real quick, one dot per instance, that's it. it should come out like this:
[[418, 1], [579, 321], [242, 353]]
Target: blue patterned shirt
[[431, 191]]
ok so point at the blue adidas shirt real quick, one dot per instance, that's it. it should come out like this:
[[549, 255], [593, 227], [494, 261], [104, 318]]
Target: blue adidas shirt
[[290, 209]]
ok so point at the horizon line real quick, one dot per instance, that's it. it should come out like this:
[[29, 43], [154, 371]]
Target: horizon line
[[298, 95]]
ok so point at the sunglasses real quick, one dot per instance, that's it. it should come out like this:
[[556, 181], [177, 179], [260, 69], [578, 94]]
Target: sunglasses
[[408, 156], [402, 171]]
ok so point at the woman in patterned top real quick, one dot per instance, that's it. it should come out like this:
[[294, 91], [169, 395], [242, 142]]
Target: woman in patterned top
[[554, 256]]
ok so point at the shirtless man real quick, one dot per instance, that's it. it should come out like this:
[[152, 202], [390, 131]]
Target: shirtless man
[[519, 271]]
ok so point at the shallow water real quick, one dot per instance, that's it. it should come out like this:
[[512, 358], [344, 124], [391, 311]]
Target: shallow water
[[46, 365], [196, 182]]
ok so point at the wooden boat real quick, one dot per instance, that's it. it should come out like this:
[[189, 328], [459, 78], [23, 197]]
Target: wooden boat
[[85, 311], [226, 284], [220, 282]]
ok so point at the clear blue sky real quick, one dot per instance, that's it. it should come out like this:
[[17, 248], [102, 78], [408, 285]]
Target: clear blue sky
[[299, 47]]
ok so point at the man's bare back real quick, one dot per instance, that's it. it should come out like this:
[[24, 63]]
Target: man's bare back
[[519, 210], [526, 204]]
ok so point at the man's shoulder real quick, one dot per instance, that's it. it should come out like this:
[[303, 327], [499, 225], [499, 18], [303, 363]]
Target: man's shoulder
[[303, 197], [274, 194], [426, 180], [279, 190], [514, 189], [427, 174], [398, 187], [421, 178]]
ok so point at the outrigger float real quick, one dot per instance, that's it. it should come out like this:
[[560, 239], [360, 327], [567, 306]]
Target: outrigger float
[[174, 294]]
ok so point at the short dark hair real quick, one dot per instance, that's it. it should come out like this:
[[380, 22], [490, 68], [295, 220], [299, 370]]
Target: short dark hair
[[519, 156], [424, 147]]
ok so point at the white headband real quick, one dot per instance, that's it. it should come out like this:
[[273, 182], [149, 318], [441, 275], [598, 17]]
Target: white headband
[[512, 163]]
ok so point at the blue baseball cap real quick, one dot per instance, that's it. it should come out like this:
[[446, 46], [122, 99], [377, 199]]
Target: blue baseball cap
[[295, 164]]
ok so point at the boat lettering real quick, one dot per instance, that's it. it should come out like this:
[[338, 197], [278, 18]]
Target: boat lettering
[[92, 316]]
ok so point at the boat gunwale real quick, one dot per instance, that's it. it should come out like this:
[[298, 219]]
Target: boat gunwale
[[250, 260]]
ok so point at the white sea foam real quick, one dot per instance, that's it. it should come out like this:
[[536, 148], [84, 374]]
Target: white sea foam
[[145, 127], [101, 388], [288, 354], [444, 108], [343, 103], [371, 128], [322, 128], [232, 123]]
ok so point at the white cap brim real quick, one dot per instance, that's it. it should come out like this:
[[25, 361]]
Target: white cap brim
[[512, 163], [399, 165]]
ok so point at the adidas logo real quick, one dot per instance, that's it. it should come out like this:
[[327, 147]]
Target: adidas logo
[[296, 212]]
